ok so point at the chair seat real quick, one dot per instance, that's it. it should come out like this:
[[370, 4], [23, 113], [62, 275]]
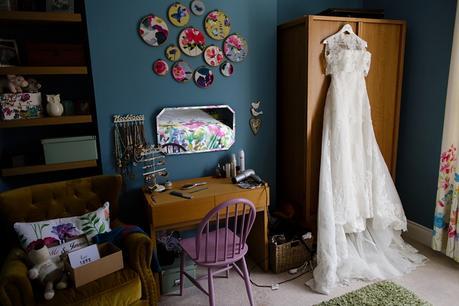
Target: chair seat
[[189, 246], [122, 287]]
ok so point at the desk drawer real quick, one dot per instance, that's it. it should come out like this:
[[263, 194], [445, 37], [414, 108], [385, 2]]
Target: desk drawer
[[181, 212], [257, 196]]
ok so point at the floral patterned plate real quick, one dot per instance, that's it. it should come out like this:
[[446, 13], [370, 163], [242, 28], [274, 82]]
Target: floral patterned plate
[[153, 30], [197, 7], [178, 14], [192, 41], [217, 24], [227, 69], [213, 56], [235, 48], [160, 67], [203, 77], [173, 53], [181, 71]]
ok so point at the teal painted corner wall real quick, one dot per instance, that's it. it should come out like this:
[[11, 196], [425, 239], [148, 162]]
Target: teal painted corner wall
[[124, 81], [430, 27], [291, 9]]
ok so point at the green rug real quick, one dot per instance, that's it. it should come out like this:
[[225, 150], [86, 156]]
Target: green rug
[[382, 293]]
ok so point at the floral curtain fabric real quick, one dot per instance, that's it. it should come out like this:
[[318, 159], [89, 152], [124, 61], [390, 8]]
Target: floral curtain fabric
[[446, 223]]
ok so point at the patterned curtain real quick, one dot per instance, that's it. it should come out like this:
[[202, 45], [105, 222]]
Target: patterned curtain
[[446, 222]]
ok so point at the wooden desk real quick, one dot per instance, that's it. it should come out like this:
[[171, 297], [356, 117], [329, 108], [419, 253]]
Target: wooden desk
[[168, 212]]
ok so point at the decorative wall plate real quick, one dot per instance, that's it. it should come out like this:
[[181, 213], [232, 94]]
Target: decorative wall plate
[[181, 71], [203, 77], [235, 48], [227, 69], [217, 24], [173, 53], [197, 7], [160, 67], [213, 56], [153, 30], [192, 41], [178, 14]]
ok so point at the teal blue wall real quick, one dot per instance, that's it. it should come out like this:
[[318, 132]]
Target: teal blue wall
[[291, 9], [124, 82], [427, 57]]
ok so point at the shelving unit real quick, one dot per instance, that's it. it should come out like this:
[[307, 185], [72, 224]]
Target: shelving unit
[[48, 27], [34, 17], [48, 168], [44, 70], [46, 121]]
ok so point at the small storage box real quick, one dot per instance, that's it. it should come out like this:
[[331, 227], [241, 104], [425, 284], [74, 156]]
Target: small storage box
[[20, 106], [292, 254], [64, 150], [170, 277], [111, 260]]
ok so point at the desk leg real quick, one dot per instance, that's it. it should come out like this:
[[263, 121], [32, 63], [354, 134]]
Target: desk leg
[[155, 274], [258, 240]]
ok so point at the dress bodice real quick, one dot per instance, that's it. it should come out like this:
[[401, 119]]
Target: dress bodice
[[346, 53]]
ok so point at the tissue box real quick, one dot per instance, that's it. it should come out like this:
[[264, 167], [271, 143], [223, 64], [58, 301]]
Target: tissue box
[[21, 106]]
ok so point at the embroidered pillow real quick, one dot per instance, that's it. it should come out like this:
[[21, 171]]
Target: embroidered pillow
[[60, 231]]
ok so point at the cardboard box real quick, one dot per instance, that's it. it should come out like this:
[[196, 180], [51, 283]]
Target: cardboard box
[[111, 260], [21, 106]]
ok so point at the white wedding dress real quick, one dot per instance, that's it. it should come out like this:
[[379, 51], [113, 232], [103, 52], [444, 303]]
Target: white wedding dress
[[360, 216]]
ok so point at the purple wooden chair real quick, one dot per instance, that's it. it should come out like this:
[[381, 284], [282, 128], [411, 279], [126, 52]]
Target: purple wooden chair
[[220, 248]]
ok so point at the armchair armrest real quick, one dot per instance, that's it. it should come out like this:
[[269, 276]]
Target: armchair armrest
[[138, 248], [15, 286]]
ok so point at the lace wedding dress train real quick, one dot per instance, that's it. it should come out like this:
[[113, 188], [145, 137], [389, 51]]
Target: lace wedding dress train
[[360, 216]]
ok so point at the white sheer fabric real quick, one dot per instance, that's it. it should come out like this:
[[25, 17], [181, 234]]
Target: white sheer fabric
[[360, 215]]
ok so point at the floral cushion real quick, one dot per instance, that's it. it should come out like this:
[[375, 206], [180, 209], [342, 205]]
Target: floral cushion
[[60, 231]]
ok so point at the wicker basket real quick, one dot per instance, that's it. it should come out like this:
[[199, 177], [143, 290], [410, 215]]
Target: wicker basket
[[288, 255]]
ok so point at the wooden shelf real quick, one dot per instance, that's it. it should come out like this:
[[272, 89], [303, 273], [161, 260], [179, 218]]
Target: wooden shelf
[[23, 16], [48, 168], [44, 70], [45, 121]]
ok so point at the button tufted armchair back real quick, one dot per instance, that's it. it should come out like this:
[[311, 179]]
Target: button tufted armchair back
[[56, 200]]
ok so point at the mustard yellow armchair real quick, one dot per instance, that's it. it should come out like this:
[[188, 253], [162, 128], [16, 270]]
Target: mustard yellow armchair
[[133, 285]]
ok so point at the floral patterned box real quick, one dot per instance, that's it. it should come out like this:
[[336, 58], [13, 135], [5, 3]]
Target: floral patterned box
[[20, 106]]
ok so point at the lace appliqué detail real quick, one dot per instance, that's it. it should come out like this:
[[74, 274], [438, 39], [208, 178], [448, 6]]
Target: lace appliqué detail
[[347, 53]]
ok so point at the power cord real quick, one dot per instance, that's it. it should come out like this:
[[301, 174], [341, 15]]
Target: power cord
[[305, 268]]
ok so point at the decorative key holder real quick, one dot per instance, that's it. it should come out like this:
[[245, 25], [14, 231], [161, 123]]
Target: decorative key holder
[[129, 141]]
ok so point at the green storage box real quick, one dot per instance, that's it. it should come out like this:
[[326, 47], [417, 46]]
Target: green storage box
[[70, 149], [170, 277]]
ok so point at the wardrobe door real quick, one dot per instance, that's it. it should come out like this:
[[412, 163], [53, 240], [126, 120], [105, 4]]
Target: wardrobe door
[[386, 45]]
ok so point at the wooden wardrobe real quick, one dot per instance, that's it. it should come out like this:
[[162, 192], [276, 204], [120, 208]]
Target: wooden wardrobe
[[302, 88]]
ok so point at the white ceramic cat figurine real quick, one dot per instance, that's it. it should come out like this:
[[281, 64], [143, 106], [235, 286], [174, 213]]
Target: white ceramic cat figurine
[[54, 106]]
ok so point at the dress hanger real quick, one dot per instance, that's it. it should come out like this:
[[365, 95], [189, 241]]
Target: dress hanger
[[345, 30]]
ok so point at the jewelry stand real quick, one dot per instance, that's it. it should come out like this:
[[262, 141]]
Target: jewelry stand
[[154, 161]]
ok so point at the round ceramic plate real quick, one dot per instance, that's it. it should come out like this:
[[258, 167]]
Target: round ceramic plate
[[197, 7], [217, 24], [192, 41], [227, 69], [153, 30], [181, 71], [213, 56], [203, 77], [235, 48], [160, 67], [178, 14], [173, 53]]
